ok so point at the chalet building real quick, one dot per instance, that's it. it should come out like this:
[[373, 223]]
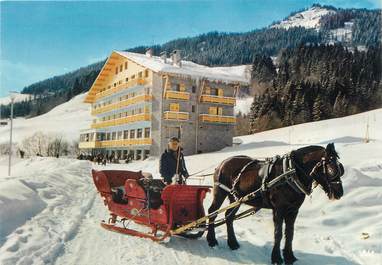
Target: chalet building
[[139, 101]]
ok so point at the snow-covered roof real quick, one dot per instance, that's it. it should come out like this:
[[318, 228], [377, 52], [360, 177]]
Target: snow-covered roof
[[240, 74], [308, 19]]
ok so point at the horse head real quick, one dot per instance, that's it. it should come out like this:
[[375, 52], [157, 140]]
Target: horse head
[[328, 172]]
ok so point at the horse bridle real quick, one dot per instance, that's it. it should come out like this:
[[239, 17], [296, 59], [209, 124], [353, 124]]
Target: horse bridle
[[336, 179]]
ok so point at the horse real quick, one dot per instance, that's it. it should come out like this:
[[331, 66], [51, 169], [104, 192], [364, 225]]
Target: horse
[[238, 176]]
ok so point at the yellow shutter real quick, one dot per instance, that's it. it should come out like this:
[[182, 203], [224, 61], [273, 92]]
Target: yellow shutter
[[182, 87], [220, 111], [220, 92], [212, 110], [208, 90], [174, 107]]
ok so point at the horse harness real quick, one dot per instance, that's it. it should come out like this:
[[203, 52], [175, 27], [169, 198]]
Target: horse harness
[[287, 176]]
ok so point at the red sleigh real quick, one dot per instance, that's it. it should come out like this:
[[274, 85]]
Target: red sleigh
[[164, 210]]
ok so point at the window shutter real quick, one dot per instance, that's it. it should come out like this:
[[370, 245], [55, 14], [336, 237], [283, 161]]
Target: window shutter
[[220, 92]]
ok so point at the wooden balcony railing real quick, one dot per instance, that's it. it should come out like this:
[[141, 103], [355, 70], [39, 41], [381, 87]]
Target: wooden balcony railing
[[218, 99], [121, 104], [177, 95], [131, 83], [123, 120], [115, 143], [217, 119], [176, 115]]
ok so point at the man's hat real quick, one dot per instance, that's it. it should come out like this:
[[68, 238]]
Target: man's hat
[[174, 139]]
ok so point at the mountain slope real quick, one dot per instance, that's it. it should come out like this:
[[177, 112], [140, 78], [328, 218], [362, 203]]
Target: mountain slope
[[309, 18], [67, 119]]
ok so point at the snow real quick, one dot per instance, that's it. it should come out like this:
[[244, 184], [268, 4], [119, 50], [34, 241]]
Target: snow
[[19, 97], [65, 229], [239, 73], [308, 19], [243, 105], [67, 119]]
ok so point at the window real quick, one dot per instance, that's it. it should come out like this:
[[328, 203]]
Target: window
[[132, 134], [120, 135], [107, 136], [125, 65], [115, 84], [126, 134], [173, 131], [146, 73], [133, 77], [127, 79], [116, 70], [121, 68], [214, 91], [193, 108], [140, 75], [177, 87], [139, 133], [113, 136], [220, 111], [193, 89], [174, 107], [147, 132]]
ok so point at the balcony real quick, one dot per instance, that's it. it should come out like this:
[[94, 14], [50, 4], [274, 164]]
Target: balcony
[[218, 99], [131, 83], [115, 143], [123, 120], [121, 104], [217, 119], [89, 145], [177, 95], [176, 115]]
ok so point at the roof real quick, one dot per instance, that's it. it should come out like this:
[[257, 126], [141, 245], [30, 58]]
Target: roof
[[233, 74], [239, 74]]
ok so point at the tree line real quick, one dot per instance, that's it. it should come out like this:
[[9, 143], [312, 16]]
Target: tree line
[[315, 82]]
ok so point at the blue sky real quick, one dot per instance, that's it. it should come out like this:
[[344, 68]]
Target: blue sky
[[43, 39]]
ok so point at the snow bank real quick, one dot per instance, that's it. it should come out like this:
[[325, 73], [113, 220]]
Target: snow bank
[[41, 207], [18, 203]]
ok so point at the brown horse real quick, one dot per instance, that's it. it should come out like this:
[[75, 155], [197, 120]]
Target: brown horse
[[238, 176]]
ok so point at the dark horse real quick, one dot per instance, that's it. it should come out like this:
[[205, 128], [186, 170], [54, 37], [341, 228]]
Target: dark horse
[[311, 164]]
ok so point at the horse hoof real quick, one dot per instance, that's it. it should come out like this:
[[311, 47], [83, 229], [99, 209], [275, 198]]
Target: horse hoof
[[233, 245], [212, 243], [289, 257], [277, 261]]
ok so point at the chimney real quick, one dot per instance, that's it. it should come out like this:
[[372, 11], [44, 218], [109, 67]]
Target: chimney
[[149, 52], [176, 58], [163, 56]]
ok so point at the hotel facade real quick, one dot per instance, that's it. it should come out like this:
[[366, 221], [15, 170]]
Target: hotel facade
[[139, 101]]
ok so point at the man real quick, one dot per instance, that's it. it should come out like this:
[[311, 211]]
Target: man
[[172, 164]]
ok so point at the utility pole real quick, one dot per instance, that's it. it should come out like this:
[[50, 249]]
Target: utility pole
[[12, 96]]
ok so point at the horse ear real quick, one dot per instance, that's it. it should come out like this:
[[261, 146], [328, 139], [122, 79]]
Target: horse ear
[[329, 147]]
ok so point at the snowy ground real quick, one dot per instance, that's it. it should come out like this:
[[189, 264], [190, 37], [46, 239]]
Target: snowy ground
[[50, 211]]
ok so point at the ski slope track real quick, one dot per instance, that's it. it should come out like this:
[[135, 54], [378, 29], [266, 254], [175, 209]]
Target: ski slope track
[[50, 211]]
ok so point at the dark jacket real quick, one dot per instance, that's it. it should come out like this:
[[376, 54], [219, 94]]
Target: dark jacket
[[167, 165]]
